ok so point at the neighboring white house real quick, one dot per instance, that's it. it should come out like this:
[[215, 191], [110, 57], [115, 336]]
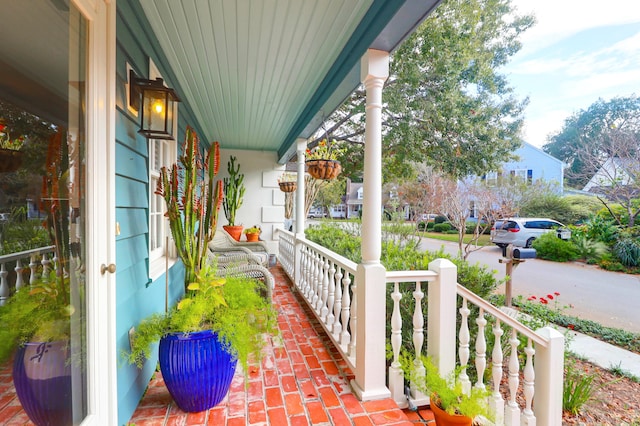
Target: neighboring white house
[[622, 170], [532, 164], [353, 199]]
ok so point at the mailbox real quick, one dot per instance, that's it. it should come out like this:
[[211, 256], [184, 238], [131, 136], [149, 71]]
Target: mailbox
[[523, 253], [511, 252]]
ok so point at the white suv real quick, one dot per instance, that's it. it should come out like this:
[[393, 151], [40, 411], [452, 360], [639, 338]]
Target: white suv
[[521, 231]]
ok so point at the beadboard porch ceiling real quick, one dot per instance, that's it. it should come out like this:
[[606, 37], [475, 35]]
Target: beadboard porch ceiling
[[261, 73]]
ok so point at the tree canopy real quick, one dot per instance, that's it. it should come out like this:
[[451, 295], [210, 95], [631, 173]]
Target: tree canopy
[[592, 134], [445, 103]]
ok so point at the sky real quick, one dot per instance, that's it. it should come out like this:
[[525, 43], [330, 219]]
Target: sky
[[578, 51]]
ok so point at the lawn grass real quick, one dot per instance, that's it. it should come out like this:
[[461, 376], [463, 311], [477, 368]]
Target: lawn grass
[[482, 241]]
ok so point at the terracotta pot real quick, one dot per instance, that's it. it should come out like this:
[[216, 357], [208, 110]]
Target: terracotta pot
[[252, 237], [288, 186], [324, 169], [445, 419], [234, 231]]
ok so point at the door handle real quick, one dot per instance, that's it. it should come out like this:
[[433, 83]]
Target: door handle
[[111, 268]]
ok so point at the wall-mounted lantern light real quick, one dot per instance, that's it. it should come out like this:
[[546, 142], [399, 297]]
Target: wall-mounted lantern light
[[156, 104]]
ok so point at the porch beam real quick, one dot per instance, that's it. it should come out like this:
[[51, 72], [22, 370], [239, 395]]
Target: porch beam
[[369, 382]]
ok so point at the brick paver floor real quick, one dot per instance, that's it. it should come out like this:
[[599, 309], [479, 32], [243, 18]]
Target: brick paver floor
[[301, 380]]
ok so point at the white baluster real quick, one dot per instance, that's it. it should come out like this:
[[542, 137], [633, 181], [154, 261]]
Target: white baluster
[[463, 348], [337, 306], [305, 273], [317, 280], [481, 350], [33, 266], [4, 285], [528, 385], [418, 340], [331, 296], [512, 411], [353, 321], [497, 402], [396, 379], [19, 278], [45, 266], [323, 309], [313, 295], [345, 336]]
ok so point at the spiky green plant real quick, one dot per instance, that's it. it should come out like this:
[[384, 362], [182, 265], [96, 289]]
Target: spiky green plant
[[233, 190], [192, 202]]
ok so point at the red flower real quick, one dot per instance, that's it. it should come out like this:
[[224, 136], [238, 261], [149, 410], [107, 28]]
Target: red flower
[[550, 296], [571, 326], [532, 298], [556, 293], [543, 301]]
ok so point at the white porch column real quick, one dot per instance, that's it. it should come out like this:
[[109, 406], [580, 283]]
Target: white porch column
[[301, 147], [441, 317], [549, 370], [369, 382]]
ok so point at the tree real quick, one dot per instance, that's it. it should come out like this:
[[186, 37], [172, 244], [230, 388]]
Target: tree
[[445, 102], [615, 168], [587, 135], [331, 193]]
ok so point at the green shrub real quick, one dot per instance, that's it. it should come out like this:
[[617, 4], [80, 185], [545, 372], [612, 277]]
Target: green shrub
[[441, 227], [590, 250], [628, 251], [598, 228], [546, 204], [549, 246], [422, 226], [440, 219], [430, 225], [581, 208]]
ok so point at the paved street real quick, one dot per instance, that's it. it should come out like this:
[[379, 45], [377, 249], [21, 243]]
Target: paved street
[[609, 298]]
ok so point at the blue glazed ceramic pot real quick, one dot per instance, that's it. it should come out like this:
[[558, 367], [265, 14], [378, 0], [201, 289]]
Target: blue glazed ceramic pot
[[196, 368]]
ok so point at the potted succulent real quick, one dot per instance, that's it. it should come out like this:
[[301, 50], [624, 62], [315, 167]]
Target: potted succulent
[[449, 403], [253, 233], [219, 321], [322, 161], [287, 182], [234, 194]]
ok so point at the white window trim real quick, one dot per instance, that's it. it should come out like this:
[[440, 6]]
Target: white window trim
[[162, 258], [491, 178]]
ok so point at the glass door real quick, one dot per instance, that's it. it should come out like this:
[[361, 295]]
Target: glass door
[[48, 275]]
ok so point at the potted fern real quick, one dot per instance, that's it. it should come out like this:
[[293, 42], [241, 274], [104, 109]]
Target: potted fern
[[219, 321], [450, 404], [234, 194]]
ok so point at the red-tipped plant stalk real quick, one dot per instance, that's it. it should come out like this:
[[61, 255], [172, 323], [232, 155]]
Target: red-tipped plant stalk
[[193, 201]]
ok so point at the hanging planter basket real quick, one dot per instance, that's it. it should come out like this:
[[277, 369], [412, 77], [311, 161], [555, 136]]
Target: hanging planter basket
[[288, 186], [324, 169], [10, 160]]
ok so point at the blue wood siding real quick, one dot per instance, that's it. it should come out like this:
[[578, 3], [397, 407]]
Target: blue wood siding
[[136, 295]]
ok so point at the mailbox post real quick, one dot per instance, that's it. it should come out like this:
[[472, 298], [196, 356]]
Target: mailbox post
[[512, 257]]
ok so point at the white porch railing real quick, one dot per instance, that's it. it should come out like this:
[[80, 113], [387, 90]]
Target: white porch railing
[[37, 261], [327, 282]]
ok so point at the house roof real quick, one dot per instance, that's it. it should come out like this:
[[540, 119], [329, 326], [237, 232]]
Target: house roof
[[258, 75]]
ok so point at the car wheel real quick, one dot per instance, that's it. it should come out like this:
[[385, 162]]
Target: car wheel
[[529, 242]]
